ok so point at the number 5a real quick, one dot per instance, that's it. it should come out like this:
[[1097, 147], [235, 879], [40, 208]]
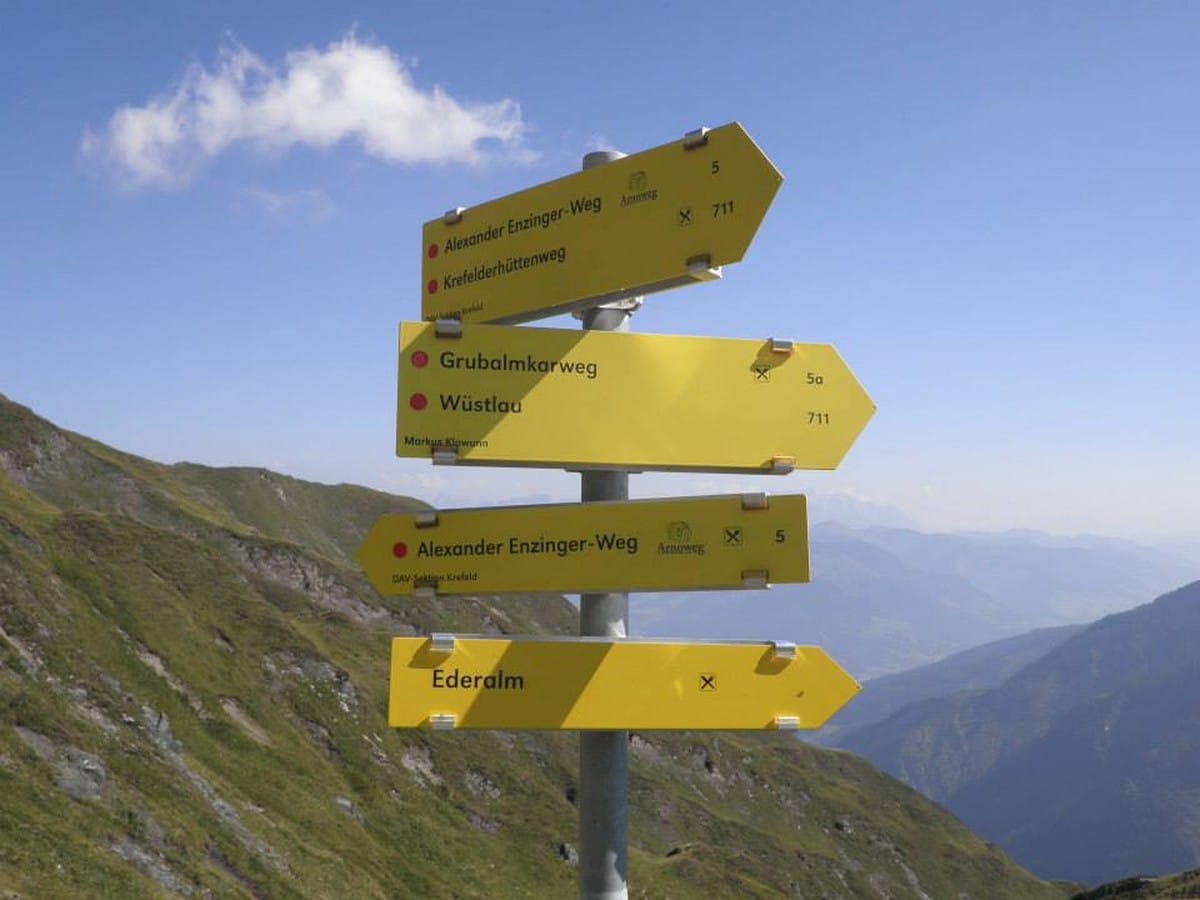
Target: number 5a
[[780, 535]]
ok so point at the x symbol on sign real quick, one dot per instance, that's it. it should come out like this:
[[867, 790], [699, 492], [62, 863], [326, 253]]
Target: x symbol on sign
[[762, 372], [733, 536], [708, 682], [685, 215]]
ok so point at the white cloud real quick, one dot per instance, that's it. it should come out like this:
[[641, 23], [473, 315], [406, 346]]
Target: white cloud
[[311, 205], [352, 90]]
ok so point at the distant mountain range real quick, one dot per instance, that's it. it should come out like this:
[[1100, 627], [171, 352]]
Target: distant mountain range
[[980, 668], [193, 695], [851, 512], [1085, 763], [883, 600]]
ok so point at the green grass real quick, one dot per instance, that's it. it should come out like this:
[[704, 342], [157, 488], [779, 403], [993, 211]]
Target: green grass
[[109, 563]]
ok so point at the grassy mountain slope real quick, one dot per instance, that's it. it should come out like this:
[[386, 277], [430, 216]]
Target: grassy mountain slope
[[1170, 887], [193, 703], [330, 520]]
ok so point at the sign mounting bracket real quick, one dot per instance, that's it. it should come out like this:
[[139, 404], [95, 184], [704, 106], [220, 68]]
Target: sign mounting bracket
[[701, 268], [780, 465], [756, 579], [783, 650], [695, 139]]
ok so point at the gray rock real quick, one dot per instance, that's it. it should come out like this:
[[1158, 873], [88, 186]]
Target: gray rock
[[346, 805], [154, 866], [568, 854], [81, 776], [481, 786]]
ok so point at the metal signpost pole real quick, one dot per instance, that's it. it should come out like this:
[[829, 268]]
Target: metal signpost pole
[[604, 755], [713, 189]]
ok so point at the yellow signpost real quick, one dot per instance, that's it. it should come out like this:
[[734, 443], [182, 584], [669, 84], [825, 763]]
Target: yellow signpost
[[597, 684], [694, 543], [474, 392], [658, 219], [490, 395]]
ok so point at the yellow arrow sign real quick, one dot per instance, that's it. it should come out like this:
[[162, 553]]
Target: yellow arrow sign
[[645, 545], [594, 683], [553, 397], [654, 220]]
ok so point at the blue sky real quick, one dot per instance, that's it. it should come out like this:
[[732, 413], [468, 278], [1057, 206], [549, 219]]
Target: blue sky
[[991, 209]]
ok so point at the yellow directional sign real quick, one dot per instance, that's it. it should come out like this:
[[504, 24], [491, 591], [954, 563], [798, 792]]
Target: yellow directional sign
[[654, 220], [645, 545], [594, 683], [551, 397]]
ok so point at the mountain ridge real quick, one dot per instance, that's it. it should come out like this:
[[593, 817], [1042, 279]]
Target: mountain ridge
[[1071, 751], [977, 668], [195, 705]]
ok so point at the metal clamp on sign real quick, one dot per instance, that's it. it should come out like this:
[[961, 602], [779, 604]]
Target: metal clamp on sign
[[756, 579], [696, 138], [701, 268], [783, 649], [780, 465]]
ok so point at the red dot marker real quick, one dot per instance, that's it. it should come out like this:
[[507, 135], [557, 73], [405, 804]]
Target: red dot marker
[[420, 359], [400, 550], [432, 286], [433, 251], [418, 401]]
